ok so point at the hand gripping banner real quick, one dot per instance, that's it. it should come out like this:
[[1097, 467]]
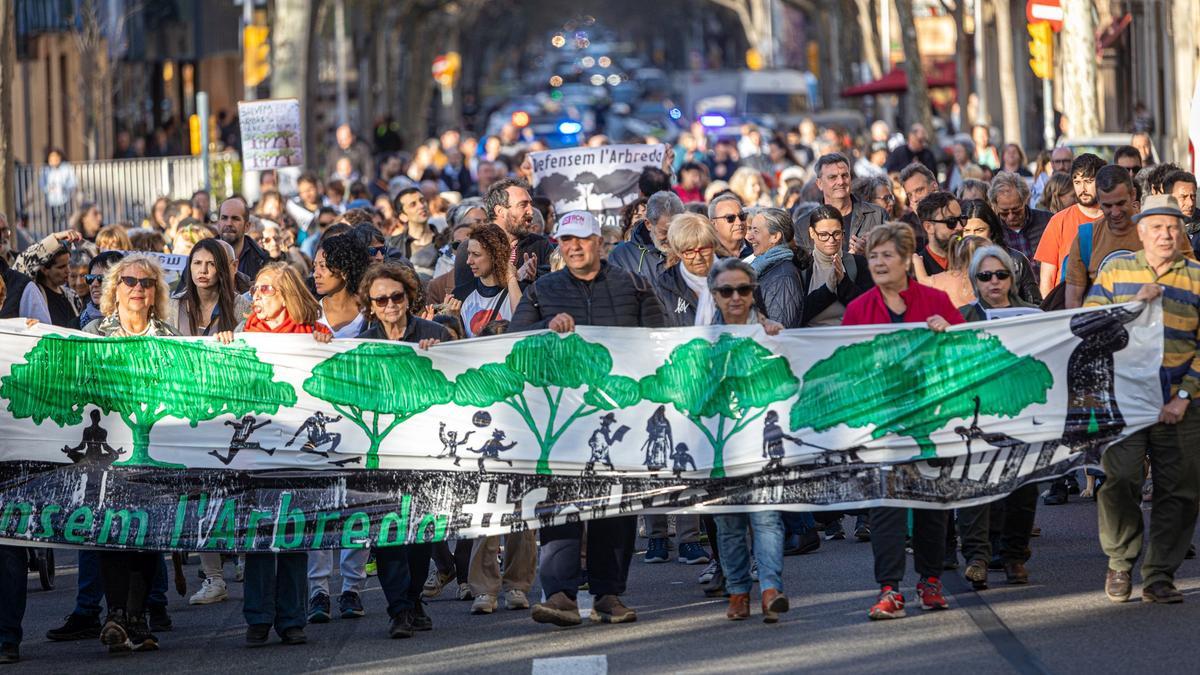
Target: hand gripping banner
[[277, 442]]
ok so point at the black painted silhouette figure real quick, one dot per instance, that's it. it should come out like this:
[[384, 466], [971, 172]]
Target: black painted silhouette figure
[[1093, 416], [681, 459], [93, 448], [601, 441], [492, 448], [241, 438], [451, 441], [317, 435], [659, 440], [773, 436]]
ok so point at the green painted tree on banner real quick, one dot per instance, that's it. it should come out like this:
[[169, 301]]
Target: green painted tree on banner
[[914, 382], [143, 380], [377, 380], [733, 379], [550, 364]]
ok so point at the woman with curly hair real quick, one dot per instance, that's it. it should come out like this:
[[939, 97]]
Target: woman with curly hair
[[338, 270], [493, 292]]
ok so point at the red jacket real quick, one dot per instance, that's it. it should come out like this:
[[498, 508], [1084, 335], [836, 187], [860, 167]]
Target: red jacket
[[922, 301]]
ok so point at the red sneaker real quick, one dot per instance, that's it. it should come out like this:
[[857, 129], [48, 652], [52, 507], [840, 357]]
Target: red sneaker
[[890, 605], [931, 595]]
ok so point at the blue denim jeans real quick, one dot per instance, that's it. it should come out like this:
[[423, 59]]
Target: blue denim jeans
[[90, 590], [767, 528], [14, 582], [275, 588]]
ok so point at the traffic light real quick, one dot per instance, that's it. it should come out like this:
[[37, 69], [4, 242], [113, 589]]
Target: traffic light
[[256, 52], [1041, 49]]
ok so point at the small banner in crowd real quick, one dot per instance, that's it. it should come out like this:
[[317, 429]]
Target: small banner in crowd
[[277, 442], [601, 180], [272, 137]]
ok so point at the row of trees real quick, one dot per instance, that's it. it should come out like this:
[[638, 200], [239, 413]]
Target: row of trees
[[550, 381]]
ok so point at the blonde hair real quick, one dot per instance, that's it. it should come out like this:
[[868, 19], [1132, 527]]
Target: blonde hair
[[714, 188], [691, 230], [898, 233], [113, 238], [194, 233], [112, 279], [740, 182], [301, 306]]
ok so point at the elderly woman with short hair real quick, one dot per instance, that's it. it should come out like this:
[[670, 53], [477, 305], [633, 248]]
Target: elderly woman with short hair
[[993, 276], [772, 236], [683, 285]]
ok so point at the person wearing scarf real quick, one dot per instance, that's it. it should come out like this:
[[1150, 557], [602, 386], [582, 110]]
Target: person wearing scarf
[[771, 235], [835, 277]]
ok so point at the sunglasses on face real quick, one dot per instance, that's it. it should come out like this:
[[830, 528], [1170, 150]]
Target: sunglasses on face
[[93, 278], [743, 290], [373, 251], [739, 217], [999, 274], [134, 282], [953, 222], [393, 299], [265, 290], [826, 236]]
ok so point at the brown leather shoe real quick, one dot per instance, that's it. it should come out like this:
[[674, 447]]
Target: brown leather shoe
[[558, 609], [976, 573], [774, 603], [1118, 585], [1162, 592], [610, 609], [739, 607], [1015, 572]]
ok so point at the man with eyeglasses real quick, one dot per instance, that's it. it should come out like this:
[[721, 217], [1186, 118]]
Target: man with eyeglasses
[[858, 217], [589, 291], [729, 218], [941, 216], [1009, 197]]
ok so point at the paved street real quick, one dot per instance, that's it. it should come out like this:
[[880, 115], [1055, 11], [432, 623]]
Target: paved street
[[1060, 623]]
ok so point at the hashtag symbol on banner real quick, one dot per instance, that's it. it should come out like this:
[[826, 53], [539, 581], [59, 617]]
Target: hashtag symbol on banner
[[485, 508]]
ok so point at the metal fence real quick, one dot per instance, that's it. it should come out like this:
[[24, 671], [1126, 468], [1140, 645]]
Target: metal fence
[[124, 189]]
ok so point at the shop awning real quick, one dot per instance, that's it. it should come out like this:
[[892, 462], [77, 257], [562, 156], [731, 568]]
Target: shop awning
[[896, 81]]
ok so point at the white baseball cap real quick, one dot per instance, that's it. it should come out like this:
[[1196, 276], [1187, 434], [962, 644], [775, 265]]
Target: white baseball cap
[[577, 224]]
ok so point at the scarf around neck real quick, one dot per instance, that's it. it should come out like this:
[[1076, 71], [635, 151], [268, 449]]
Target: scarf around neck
[[257, 325], [822, 272], [706, 307], [770, 257]]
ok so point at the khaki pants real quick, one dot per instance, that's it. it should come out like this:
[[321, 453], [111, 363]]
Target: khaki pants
[[520, 564], [1175, 471]]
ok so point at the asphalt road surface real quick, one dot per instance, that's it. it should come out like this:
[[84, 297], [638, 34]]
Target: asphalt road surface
[[1060, 623]]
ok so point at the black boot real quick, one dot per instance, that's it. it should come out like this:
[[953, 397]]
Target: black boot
[[115, 634], [140, 636]]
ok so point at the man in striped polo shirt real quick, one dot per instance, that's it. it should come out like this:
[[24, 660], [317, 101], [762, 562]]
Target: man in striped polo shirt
[[1159, 269]]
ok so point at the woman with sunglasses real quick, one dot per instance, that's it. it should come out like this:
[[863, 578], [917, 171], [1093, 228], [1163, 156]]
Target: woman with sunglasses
[[993, 274], [494, 291], [733, 283], [833, 277], [898, 299], [133, 300], [683, 285], [95, 281], [771, 235], [982, 221], [388, 293], [275, 584]]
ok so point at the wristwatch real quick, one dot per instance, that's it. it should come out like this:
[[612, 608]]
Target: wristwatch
[[1182, 394]]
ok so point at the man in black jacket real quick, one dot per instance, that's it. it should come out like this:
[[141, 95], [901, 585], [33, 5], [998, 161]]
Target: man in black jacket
[[643, 253], [858, 217], [914, 150], [232, 224], [508, 204], [588, 292], [1009, 197]]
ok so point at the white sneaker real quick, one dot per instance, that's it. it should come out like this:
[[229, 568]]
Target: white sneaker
[[709, 572], [464, 591], [515, 599], [212, 591], [485, 603]]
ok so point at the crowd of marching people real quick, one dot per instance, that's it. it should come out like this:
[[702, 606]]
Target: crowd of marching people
[[812, 227]]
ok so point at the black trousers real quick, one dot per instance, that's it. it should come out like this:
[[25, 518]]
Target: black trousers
[[889, 528], [127, 577], [402, 571], [1007, 523], [610, 544], [459, 560]]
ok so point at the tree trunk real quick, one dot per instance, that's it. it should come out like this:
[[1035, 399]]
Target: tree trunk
[[1184, 75], [1009, 103], [869, 28], [8, 56], [292, 33], [918, 88], [1077, 45], [963, 51]]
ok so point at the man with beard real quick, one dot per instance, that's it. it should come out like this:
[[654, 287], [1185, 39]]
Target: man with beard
[[231, 226], [941, 216], [509, 206], [1061, 230]]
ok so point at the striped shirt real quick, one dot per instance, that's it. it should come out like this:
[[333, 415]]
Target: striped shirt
[[1119, 281]]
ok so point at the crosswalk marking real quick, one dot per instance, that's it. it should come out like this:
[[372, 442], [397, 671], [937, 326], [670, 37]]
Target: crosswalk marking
[[572, 665]]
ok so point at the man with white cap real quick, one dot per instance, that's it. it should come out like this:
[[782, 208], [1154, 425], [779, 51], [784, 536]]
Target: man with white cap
[[587, 292], [1159, 269]]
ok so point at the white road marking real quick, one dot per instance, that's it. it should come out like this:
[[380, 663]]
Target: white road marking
[[572, 665]]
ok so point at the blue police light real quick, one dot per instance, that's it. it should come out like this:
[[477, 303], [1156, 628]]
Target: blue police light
[[712, 120], [676, 113], [569, 127]]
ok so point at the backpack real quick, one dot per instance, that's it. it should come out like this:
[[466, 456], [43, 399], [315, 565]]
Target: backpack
[[1057, 298]]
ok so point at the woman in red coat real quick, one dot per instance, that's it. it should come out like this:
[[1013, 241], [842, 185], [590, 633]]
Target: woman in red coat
[[898, 299]]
